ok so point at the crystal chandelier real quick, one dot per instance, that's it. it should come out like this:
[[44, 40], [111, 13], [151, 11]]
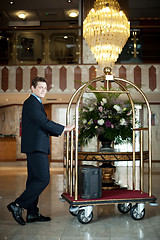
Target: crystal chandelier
[[106, 30]]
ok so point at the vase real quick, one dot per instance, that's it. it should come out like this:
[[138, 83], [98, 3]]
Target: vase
[[108, 182], [106, 144]]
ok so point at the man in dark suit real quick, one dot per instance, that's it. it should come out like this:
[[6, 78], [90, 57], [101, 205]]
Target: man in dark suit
[[36, 129]]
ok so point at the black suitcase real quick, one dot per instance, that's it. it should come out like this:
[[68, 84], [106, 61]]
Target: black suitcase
[[90, 182]]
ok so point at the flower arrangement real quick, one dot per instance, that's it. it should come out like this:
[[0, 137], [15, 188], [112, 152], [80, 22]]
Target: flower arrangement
[[105, 115]]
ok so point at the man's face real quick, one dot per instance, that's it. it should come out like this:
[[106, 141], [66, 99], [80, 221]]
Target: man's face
[[40, 90]]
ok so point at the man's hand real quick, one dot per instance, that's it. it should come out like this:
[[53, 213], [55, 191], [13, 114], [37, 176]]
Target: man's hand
[[69, 128]]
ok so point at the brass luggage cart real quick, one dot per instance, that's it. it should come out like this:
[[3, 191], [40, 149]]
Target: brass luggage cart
[[133, 200]]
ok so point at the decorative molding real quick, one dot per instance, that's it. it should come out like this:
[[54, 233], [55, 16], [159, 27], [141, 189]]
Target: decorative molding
[[62, 78]]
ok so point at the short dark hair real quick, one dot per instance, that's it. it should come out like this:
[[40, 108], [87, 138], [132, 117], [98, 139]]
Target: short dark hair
[[38, 79]]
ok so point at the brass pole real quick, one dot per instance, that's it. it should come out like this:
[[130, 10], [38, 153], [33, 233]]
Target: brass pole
[[76, 140], [67, 163], [71, 166], [76, 155], [76, 146], [106, 75], [141, 152], [134, 144], [134, 162], [150, 154], [67, 143], [107, 91]]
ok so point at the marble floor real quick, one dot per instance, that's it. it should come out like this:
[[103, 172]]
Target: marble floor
[[107, 224]]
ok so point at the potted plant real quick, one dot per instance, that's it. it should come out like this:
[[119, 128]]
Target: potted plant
[[107, 117]]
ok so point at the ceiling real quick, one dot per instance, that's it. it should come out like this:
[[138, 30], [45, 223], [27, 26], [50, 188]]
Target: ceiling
[[36, 10], [49, 12], [54, 13]]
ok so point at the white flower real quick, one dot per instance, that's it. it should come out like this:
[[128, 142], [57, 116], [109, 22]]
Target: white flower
[[104, 100], [100, 122], [118, 109], [122, 122], [102, 103], [91, 109], [84, 121]]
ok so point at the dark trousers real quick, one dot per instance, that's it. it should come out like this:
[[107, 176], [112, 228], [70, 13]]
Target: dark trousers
[[37, 181]]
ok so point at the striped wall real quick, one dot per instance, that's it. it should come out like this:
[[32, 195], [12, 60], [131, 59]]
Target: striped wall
[[68, 78]]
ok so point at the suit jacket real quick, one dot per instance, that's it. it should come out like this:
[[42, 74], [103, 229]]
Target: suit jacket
[[36, 127]]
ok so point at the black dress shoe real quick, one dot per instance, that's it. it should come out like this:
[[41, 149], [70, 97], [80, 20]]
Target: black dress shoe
[[37, 218], [16, 211]]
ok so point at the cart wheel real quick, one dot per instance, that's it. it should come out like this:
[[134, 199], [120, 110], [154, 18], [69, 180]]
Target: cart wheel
[[82, 218], [124, 208], [73, 212], [135, 214]]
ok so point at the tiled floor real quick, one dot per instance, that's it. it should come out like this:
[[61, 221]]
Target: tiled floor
[[107, 224]]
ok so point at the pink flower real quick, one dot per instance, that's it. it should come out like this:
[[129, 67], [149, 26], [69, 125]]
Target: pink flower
[[129, 113], [112, 125], [100, 108]]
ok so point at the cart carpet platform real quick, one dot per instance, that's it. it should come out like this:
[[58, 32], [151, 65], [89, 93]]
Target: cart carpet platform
[[111, 196]]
